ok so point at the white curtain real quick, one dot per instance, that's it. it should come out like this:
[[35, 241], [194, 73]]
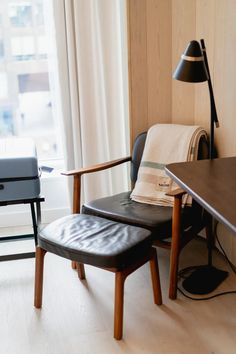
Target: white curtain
[[92, 63]]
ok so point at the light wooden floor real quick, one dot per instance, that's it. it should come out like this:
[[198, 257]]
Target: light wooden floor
[[77, 317]]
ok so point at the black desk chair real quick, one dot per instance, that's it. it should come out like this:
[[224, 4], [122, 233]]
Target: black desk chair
[[157, 219]]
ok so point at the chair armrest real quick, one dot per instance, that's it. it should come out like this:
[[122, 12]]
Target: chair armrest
[[178, 192], [78, 173], [96, 168]]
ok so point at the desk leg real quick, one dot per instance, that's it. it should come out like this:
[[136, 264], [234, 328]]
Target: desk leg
[[175, 245]]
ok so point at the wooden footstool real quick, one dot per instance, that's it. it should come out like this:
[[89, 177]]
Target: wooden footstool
[[101, 243]]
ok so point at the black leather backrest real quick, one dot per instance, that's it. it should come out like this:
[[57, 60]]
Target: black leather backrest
[[137, 156], [203, 149], [203, 153]]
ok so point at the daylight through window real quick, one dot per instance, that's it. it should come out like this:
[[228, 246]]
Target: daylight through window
[[26, 106]]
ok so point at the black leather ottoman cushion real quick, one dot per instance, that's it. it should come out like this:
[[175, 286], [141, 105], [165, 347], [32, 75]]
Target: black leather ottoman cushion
[[95, 241]]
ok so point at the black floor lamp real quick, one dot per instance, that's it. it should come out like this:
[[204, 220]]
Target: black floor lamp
[[193, 67]]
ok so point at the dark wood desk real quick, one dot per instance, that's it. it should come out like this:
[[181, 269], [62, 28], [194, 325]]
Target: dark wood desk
[[212, 183]]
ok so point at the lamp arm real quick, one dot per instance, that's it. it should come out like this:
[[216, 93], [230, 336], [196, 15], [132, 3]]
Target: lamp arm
[[213, 106], [214, 118]]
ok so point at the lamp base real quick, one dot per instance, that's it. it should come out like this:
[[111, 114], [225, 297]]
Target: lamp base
[[204, 280]]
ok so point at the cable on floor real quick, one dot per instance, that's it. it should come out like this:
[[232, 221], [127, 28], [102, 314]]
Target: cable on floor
[[184, 272]]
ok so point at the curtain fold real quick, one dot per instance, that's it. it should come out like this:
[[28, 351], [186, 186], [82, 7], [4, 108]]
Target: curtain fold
[[92, 63]]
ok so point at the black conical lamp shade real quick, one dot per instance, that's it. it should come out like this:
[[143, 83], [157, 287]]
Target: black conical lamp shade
[[191, 67]]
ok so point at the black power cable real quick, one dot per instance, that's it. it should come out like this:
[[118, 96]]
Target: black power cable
[[206, 298]]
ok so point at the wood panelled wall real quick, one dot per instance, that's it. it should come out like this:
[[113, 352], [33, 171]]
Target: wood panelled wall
[[183, 30], [216, 23], [150, 62], [159, 31]]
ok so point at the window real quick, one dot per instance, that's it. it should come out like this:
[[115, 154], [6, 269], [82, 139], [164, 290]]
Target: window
[[3, 86], [27, 102], [26, 105], [6, 121], [1, 50], [39, 20], [23, 48], [20, 14], [42, 47]]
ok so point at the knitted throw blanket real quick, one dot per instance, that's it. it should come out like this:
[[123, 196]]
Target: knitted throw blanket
[[165, 143]]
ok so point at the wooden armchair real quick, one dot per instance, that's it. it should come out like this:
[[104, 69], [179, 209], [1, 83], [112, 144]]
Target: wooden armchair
[[188, 221]]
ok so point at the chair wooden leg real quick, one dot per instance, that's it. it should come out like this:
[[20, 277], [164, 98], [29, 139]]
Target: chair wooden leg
[[38, 290], [119, 304], [80, 270], [175, 247], [73, 265], [156, 285]]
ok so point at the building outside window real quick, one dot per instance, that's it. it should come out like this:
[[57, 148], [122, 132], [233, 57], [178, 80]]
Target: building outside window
[[26, 106], [20, 14], [1, 50]]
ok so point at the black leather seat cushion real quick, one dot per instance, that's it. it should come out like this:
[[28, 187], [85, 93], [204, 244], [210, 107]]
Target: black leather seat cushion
[[95, 241], [122, 209]]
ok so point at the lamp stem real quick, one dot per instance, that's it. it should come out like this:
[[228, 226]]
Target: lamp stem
[[212, 131], [214, 117]]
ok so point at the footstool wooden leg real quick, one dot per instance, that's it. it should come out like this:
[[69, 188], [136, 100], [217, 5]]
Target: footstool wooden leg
[[38, 290], [73, 265], [156, 285], [119, 304], [80, 270]]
